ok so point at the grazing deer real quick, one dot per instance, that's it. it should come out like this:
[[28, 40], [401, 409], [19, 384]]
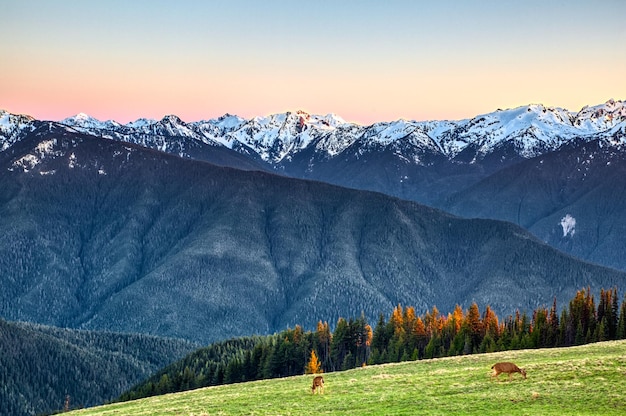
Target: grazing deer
[[318, 384], [507, 368]]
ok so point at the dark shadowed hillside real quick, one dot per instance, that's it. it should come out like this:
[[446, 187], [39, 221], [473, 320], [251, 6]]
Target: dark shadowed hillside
[[101, 234], [40, 365]]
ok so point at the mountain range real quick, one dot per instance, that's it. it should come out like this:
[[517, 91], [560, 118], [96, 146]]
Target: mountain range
[[472, 168], [109, 234], [227, 227]]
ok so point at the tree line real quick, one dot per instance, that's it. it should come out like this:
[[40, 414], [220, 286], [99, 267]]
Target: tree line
[[403, 336]]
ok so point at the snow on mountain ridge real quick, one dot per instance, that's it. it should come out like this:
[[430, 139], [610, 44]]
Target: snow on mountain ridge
[[601, 116], [11, 125], [85, 121], [141, 122], [10, 121], [527, 127], [531, 130], [282, 135]]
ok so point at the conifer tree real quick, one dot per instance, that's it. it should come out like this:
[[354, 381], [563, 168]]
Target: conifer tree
[[421, 336], [313, 366], [457, 317], [553, 326], [322, 341], [606, 317], [614, 314], [409, 318], [380, 340], [564, 339], [339, 346], [621, 323], [475, 327], [490, 323], [397, 319], [539, 328], [433, 348], [431, 320]]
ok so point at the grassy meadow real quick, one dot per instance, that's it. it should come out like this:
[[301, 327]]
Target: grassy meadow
[[584, 380]]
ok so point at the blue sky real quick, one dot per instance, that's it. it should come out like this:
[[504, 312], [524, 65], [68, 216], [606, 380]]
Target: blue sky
[[363, 60]]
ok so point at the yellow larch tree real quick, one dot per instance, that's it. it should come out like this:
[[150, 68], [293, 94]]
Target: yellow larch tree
[[314, 366]]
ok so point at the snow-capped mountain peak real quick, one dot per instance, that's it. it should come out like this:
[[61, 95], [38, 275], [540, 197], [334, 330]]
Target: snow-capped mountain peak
[[85, 121], [80, 119], [227, 121], [140, 122], [10, 121], [531, 129], [277, 138], [601, 117], [171, 119], [333, 120], [11, 125]]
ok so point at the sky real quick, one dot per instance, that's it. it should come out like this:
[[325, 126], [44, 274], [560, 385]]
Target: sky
[[365, 61]]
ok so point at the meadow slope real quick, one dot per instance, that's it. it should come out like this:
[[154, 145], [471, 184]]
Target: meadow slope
[[584, 380]]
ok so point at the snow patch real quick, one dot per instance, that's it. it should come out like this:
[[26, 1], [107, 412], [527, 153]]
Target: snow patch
[[40, 152], [569, 225], [72, 162], [5, 121], [27, 162], [45, 147]]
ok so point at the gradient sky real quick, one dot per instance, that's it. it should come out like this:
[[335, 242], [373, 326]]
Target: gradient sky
[[364, 60]]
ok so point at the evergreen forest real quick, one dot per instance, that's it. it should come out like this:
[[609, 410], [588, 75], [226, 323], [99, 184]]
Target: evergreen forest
[[45, 369]]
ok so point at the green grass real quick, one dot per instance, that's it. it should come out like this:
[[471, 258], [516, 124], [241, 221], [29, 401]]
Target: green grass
[[586, 380]]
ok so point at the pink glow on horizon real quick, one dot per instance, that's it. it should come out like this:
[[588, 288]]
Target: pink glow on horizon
[[356, 100]]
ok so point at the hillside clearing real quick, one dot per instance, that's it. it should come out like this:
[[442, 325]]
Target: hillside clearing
[[561, 381]]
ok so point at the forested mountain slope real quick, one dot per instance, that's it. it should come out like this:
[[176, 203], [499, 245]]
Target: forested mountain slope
[[102, 234], [574, 199], [40, 366], [457, 165]]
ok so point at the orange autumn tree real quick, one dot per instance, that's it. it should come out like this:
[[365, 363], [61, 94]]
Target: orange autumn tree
[[314, 366]]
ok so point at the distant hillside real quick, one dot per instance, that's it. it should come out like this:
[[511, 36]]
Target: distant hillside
[[101, 234], [40, 365]]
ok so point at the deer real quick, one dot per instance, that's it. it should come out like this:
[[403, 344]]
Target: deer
[[318, 385], [507, 368]]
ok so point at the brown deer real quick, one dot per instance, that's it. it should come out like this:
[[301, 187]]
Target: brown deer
[[507, 368], [318, 385]]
